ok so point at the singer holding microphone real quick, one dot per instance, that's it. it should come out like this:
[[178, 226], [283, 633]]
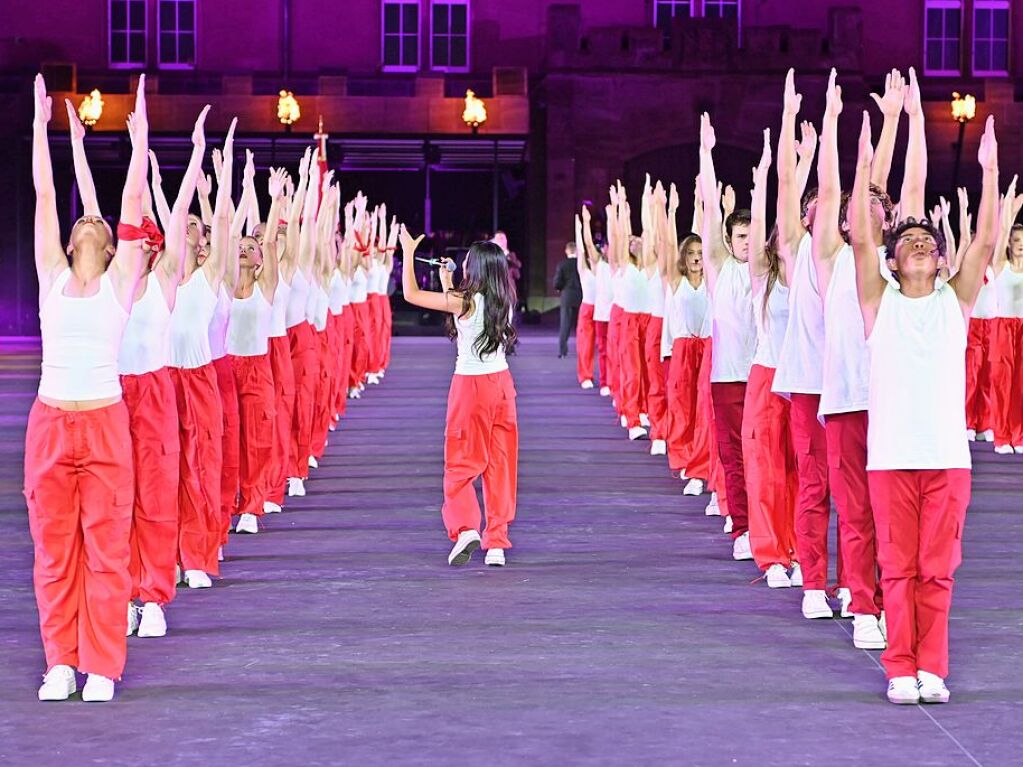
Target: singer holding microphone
[[481, 435]]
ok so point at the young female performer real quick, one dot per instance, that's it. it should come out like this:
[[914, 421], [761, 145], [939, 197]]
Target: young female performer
[[602, 298], [1007, 332], [918, 455], [195, 386], [768, 456], [481, 434], [584, 328], [152, 408], [248, 349], [979, 413], [653, 366], [78, 458], [632, 298], [728, 282]]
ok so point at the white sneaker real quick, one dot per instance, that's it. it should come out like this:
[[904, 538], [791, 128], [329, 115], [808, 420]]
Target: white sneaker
[[133, 619], [605, 391], [777, 578], [98, 689], [637, 432], [247, 523], [1004, 449], [373, 378], [987, 436], [797, 575], [971, 434], [867, 633], [468, 541], [740, 548], [845, 600], [624, 422], [712, 510], [1017, 449], [658, 447], [495, 557], [644, 420], [313, 463], [296, 487], [693, 487], [332, 426], [727, 528], [197, 579], [269, 507], [815, 605], [903, 691], [153, 623], [586, 384], [59, 683], [932, 688], [353, 393]]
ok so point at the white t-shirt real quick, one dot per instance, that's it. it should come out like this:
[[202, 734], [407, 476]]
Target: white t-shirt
[[602, 299], [588, 280], [686, 314], [655, 293], [1009, 288], [734, 332], [633, 296], [771, 324], [801, 356], [469, 362], [986, 307]]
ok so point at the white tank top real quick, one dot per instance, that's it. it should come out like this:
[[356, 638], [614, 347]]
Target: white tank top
[[336, 297], [81, 340], [297, 299], [278, 317], [190, 322], [846, 375], [249, 326], [218, 325], [588, 280], [734, 332], [986, 307], [632, 294], [379, 280], [686, 314], [145, 347], [918, 383], [801, 356], [469, 363], [602, 297], [655, 293], [359, 286], [321, 304], [1009, 287], [770, 324]]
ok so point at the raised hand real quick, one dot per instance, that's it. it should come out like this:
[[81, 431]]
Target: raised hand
[[204, 183], [154, 167], [673, 197], [199, 131], [43, 103], [585, 214], [760, 172], [218, 163], [74, 124], [229, 141], [708, 139], [276, 184], [894, 94], [791, 100], [866, 147], [728, 200], [911, 101], [250, 168], [136, 129], [303, 165], [408, 244], [806, 147], [141, 116], [988, 154], [964, 199], [833, 100]]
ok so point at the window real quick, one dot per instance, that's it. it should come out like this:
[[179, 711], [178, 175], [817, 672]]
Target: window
[[666, 10], [450, 35], [127, 33], [942, 33], [177, 34], [401, 35], [991, 37], [721, 9]]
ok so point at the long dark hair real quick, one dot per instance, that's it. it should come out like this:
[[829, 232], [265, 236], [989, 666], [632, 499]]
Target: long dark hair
[[771, 250], [485, 271]]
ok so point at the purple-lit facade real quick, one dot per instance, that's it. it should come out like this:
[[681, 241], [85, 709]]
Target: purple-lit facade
[[579, 93]]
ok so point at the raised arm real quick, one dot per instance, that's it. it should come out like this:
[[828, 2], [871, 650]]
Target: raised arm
[[592, 256], [714, 251], [759, 264], [163, 212], [49, 255], [269, 274], [83, 173], [239, 218], [970, 278], [307, 237], [296, 209], [204, 185], [220, 230], [965, 227], [870, 285], [790, 221], [172, 261], [827, 237], [671, 255], [697, 226], [1006, 219], [911, 199], [891, 105], [427, 299], [940, 219]]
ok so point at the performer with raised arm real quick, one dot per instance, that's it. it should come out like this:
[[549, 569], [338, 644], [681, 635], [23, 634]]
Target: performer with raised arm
[[1007, 331], [602, 296], [585, 329]]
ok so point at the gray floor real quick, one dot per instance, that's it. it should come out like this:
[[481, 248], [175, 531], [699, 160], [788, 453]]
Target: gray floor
[[621, 633]]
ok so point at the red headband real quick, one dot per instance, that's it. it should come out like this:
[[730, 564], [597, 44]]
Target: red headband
[[360, 246], [149, 232]]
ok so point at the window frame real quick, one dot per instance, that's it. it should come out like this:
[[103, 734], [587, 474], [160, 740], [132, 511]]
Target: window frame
[[943, 5], [128, 32], [407, 68], [698, 10], [177, 32], [468, 36], [991, 5]]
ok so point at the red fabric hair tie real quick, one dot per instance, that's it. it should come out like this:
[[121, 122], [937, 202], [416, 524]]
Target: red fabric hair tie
[[360, 246], [149, 232]]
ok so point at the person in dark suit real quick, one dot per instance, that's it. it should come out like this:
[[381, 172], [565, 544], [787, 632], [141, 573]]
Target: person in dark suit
[[566, 282]]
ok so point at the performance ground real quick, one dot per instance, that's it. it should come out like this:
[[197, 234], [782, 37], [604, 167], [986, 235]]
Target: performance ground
[[621, 632]]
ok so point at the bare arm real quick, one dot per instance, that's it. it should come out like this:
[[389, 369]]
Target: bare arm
[[891, 107], [714, 251], [758, 262], [870, 285], [204, 185], [970, 278], [827, 237], [269, 275], [216, 264], [172, 261], [295, 211], [49, 255], [163, 212], [671, 255], [307, 235], [911, 199], [965, 226], [83, 173], [790, 222], [427, 299], [697, 226]]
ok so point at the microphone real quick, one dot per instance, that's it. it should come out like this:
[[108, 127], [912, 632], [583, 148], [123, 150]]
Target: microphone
[[449, 265]]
